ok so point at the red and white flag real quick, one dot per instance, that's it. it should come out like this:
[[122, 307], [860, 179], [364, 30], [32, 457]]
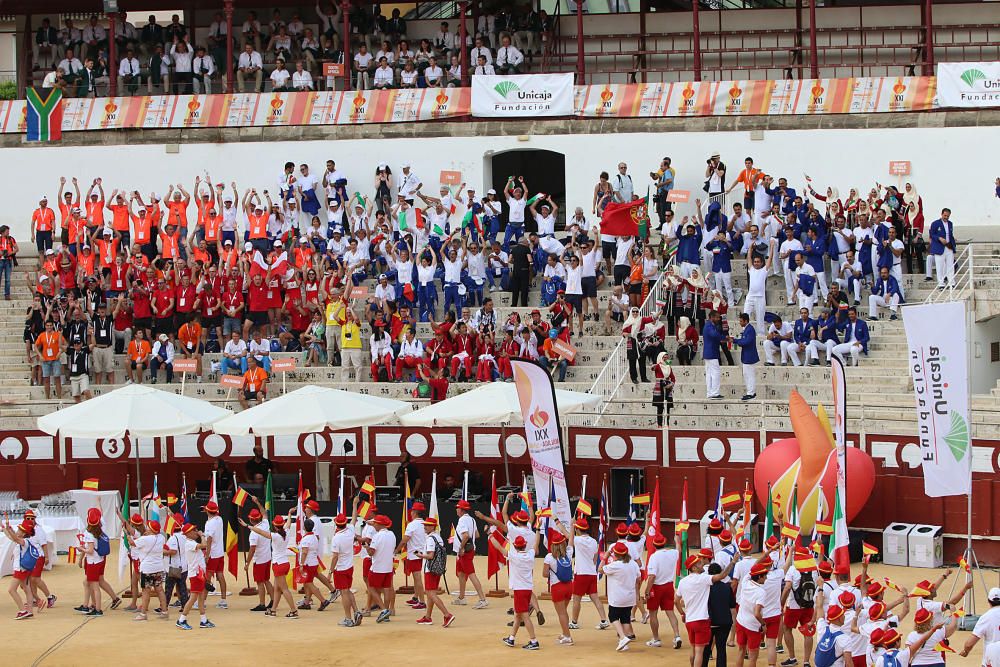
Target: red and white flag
[[840, 542], [494, 557]]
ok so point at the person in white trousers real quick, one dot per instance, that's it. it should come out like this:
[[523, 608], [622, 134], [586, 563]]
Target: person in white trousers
[[712, 338], [756, 299], [805, 283], [749, 358], [850, 277], [788, 252], [803, 332], [826, 337], [942, 233], [885, 292], [779, 339], [855, 338]]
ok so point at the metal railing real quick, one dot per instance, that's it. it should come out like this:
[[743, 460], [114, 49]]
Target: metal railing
[[616, 367], [962, 286]]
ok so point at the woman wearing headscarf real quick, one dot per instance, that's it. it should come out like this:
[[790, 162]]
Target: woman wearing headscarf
[[913, 226], [632, 330], [687, 341], [663, 387]]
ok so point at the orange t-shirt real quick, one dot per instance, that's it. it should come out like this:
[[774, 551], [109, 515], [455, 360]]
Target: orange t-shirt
[[258, 225], [108, 250], [119, 217], [76, 229], [177, 209], [139, 349], [254, 379], [86, 262], [48, 345], [141, 225], [44, 219], [212, 223], [169, 245], [95, 213], [64, 212], [189, 336]]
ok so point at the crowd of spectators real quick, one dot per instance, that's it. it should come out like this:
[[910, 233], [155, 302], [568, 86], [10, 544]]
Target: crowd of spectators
[[286, 52], [302, 265]]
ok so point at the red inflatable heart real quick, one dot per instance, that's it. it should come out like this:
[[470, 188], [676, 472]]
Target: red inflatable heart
[[781, 456]]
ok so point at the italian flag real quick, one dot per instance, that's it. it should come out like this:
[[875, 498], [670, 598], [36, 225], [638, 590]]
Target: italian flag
[[839, 542], [683, 526]]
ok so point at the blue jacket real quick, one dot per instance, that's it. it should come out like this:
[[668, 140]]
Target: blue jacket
[[714, 219], [887, 288], [938, 229], [828, 329], [788, 205], [722, 260], [688, 246], [858, 331], [886, 258], [712, 337], [747, 343], [801, 331], [814, 252]]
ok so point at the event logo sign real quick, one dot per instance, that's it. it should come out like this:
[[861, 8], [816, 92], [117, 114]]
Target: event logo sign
[[969, 84], [940, 371], [522, 96]]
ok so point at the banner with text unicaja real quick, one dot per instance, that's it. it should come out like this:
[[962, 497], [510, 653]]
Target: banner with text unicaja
[[939, 366], [522, 95], [968, 84]]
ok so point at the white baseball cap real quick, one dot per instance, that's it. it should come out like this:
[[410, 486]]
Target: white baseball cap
[[303, 240], [278, 244], [228, 242], [43, 198], [491, 191], [248, 246], [406, 165], [994, 594]]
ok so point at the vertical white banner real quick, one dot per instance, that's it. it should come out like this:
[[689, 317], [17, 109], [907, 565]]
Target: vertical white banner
[[537, 398], [838, 375], [937, 339]]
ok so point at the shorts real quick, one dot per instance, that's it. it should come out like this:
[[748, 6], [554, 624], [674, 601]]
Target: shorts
[[211, 322], [589, 285], [257, 317], [771, 625], [135, 565], [617, 317], [748, 638], [102, 360], [575, 300], [608, 249], [21, 575], [522, 602], [342, 579], [51, 369], [39, 567], [142, 322], [151, 579], [661, 597], [215, 564], [78, 384], [797, 617], [164, 325], [94, 571], [366, 569], [198, 349], [621, 272], [261, 572], [859, 660], [307, 573], [431, 581], [380, 580], [584, 584], [411, 565], [280, 569], [249, 395], [465, 564], [699, 632], [621, 614], [562, 591], [635, 288], [196, 584]]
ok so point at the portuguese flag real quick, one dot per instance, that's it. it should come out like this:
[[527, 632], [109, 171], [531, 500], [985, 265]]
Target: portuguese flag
[[44, 115]]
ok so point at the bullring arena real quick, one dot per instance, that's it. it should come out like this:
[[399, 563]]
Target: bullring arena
[[656, 312]]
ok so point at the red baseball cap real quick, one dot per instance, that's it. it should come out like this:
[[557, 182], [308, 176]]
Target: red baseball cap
[[520, 542], [212, 507], [463, 505]]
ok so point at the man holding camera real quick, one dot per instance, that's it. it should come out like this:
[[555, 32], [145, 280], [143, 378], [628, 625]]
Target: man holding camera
[[664, 178], [8, 253]]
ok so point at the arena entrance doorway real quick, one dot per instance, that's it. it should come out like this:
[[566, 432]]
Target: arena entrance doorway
[[543, 171]]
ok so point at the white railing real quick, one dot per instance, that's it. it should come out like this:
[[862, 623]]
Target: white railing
[[962, 286], [616, 367]]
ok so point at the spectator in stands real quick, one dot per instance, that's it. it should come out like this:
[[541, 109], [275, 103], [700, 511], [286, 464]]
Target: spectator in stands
[[258, 467], [328, 14], [46, 41], [158, 70], [162, 356], [125, 33], [509, 58], [350, 344], [129, 71], [664, 180], [252, 32], [942, 248], [280, 77], [175, 31], [362, 63], [445, 41], [885, 292], [183, 59], [454, 74], [8, 255], [203, 69], [301, 78], [70, 36], [280, 46], [856, 337], [778, 340], [254, 384], [71, 67], [384, 76], [482, 67], [217, 36], [234, 355], [249, 65], [151, 35], [95, 37]]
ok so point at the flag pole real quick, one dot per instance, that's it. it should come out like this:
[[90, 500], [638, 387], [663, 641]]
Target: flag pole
[[248, 590]]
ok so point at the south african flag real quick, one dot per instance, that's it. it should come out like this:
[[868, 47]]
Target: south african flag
[[44, 115]]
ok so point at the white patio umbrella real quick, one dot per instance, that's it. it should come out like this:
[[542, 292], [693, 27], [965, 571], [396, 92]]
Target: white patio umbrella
[[133, 411], [313, 409], [493, 403]]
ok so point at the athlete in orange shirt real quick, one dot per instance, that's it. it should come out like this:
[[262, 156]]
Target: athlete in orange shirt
[[43, 222], [120, 217], [748, 179], [50, 346], [95, 204], [189, 341], [254, 383], [177, 206], [66, 205], [138, 357]]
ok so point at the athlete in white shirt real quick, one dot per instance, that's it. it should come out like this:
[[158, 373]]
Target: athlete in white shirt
[[521, 565], [623, 577], [414, 543], [691, 599], [149, 549], [216, 536], [586, 554], [660, 572], [194, 546], [260, 555], [279, 564], [465, 550], [342, 546], [431, 579], [381, 549]]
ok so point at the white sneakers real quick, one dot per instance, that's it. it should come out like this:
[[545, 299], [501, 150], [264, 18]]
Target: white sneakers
[[655, 643], [482, 604], [623, 644]]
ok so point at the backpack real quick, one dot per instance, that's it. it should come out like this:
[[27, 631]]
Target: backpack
[[826, 653], [564, 569], [890, 659], [439, 561], [103, 546], [805, 592], [29, 556], [422, 390]]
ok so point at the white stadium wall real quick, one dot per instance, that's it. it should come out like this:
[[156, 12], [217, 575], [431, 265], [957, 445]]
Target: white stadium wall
[[950, 165]]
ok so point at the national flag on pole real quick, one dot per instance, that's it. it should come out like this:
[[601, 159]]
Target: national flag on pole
[[790, 531], [368, 486], [769, 515], [805, 563], [631, 516], [641, 499], [653, 529], [731, 499], [92, 484], [602, 521], [365, 508], [500, 539], [232, 550], [964, 564], [240, 497], [525, 497], [548, 509], [718, 500], [622, 219], [214, 494], [839, 542], [123, 543], [543, 513], [407, 502], [168, 529], [644, 219], [494, 558], [793, 517], [432, 511], [184, 498], [747, 510], [682, 528], [269, 498], [868, 550], [583, 508], [44, 115], [824, 527], [299, 510]]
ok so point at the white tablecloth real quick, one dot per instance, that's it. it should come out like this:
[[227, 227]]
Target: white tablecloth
[[107, 501], [62, 532]]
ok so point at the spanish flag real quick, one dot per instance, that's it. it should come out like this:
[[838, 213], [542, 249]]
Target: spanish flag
[[943, 647], [824, 527], [868, 550], [232, 550], [368, 486], [171, 499], [92, 484], [964, 564], [893, 585], [641, 499], [919, 592], [71, 555], [789, 530], [583, 508], [240, 498], [171, 524], [365, 509], [731, 499], [804, 563]]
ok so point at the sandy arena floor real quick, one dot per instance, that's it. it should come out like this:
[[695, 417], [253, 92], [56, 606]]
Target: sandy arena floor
[[60, 636]]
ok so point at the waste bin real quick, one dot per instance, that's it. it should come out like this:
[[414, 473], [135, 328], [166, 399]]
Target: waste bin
[[896, 544], [926, 546]]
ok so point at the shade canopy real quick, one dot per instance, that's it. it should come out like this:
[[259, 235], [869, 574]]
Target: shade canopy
[[494, 403], [142, 411], [312, 409]]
